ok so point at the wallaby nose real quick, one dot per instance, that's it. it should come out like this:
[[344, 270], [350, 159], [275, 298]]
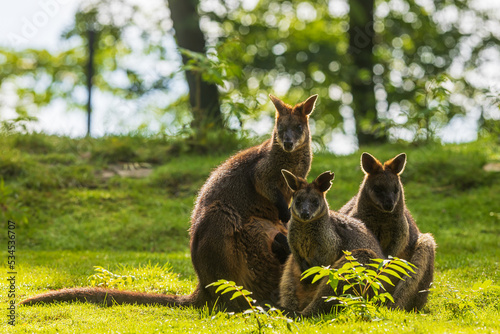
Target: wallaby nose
[[305, 215], [388, 207], [288, 145]]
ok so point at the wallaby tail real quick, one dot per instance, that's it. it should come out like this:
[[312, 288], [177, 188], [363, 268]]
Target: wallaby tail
[[111, 297]]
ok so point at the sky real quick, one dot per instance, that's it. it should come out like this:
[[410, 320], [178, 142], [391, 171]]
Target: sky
[[39, 24]]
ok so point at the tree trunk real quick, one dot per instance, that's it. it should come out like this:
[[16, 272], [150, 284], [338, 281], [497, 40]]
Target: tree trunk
[[203, 96], [361, 35], [90, 73]]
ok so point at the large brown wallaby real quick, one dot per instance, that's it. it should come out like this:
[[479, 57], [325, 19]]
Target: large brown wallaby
[[380, 205], [238, 229], [317, 237]]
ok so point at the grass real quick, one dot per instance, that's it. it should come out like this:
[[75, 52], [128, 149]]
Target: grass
[[70, 217]]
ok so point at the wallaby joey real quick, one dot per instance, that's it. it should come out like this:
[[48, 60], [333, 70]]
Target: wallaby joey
[[317, 237], [238, 225], [380, 205]]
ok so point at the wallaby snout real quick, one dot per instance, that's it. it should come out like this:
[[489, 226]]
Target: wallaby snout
[[388, 206], [305, 214], [287, 143], [389, 202], [305, 208]]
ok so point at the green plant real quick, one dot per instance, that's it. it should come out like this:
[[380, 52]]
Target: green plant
[[361, 286], [10, 207], [217, 67], [256, 311], [18, 124], [107, 279]]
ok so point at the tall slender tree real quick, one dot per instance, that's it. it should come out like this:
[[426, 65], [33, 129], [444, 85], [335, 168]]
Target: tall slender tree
[[89, 74], [203, 96], [361, 42]]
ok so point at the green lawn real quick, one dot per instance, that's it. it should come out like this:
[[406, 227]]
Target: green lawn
[[72, 213]]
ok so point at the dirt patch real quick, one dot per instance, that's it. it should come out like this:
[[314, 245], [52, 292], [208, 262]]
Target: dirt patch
[[136, 170], [492, 167]]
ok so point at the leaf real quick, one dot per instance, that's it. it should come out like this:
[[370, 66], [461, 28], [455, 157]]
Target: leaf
[[229, 289], [371, 273], [331, 298], [387, 295], [334, 284], [482, 285], [393, 273], [398, 268], [383, 263], [407, 265], [221, 287], [359, 269], [347, 266], [219, 282], [235, 295], [346, 287], [311, 271], [316, 278], [486, 284], [385, 279]]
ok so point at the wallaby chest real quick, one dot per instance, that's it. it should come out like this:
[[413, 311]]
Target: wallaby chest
[[304, 238], [391, 230], [314, 241]]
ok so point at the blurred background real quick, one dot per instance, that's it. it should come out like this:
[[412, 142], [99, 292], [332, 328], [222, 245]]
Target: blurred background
[[419, 71]]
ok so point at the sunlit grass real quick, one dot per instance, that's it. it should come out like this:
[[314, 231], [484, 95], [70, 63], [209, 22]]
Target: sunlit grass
[[139, 227]]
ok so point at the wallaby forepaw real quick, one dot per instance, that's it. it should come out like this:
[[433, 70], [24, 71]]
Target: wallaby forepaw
[[280, 247], [285, 215]]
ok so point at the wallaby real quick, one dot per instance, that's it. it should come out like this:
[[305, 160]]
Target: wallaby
[[238, 225], [380, 205], [317, 237]]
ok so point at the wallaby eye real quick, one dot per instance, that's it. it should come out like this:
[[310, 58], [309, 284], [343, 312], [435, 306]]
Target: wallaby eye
[[298, 127], [378, 189], [315, 202], [298, 201], [396, 190]]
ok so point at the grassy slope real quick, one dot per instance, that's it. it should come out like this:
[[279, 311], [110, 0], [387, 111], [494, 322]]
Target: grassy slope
[[138, 227]]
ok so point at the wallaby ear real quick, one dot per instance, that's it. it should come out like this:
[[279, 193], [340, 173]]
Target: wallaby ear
[[309, 104], [324, 181], [397, 164], [281, 107], [291, 180], [370, 164]]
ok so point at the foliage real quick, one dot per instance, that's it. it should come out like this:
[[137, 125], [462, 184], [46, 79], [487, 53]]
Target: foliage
[[361, 287], [105, 278], [301, 47], [10, 206], [433, 112], [124, 34], [216, 67], [224, 287], [292, 48], [18, 124], [467, 303]]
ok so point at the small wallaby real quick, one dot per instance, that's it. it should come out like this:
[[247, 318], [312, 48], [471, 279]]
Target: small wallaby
[[238, 225], [317, 237], [380, 205]]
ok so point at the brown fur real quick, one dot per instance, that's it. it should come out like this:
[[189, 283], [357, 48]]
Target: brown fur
[[236, 233], [380, 204], [317, 237]]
